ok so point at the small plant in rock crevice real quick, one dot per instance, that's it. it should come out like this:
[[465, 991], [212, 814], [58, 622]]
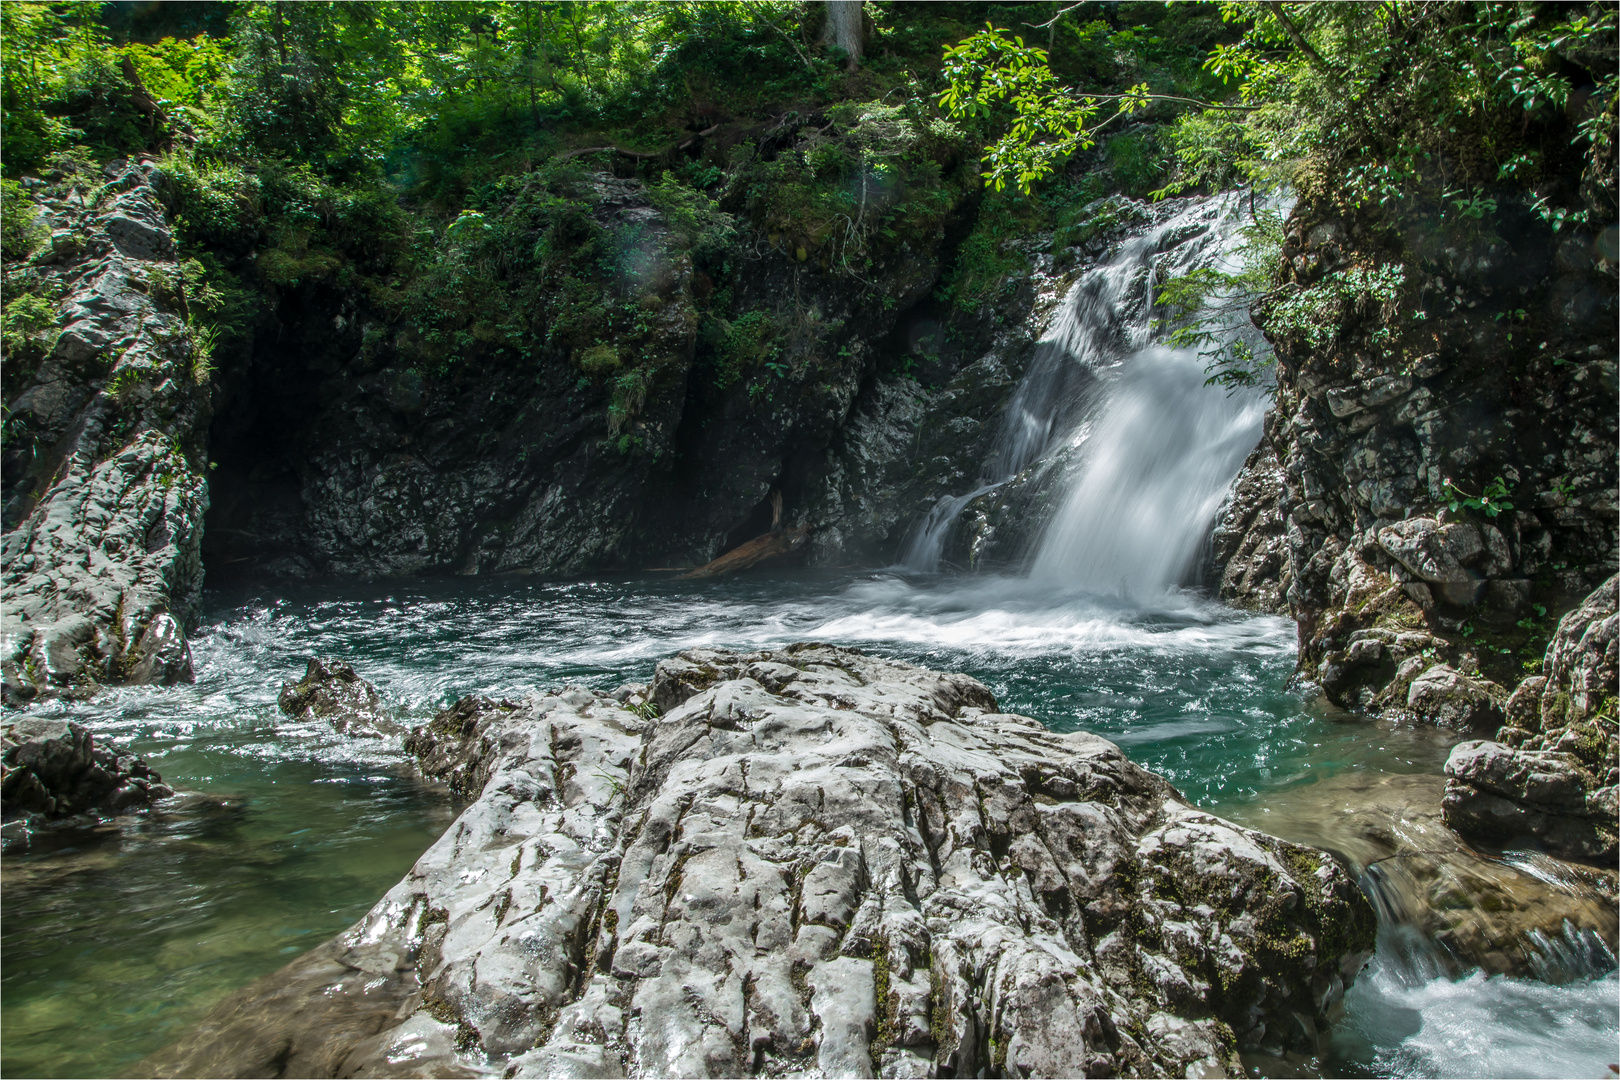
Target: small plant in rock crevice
[[1492, 500]]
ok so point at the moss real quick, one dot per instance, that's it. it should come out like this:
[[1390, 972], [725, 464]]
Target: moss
[[599, 360], [1591, 744], [672, 878], [445, 1013], [430, 916], [1343, 926], [885, 1001]]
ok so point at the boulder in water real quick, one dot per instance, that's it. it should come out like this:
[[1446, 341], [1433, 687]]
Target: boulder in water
[[1519, 913], [331, 690], [449, 748], [52, 769], [817, 863], [1447, 698]]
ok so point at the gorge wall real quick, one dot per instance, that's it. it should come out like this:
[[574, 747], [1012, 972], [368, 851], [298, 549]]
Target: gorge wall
[[1437, 486], [106, 423]]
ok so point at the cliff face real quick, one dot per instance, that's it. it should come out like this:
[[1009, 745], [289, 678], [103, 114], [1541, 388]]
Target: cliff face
[[1445, 426], [340, 456], [1440, 476], [107, 408]]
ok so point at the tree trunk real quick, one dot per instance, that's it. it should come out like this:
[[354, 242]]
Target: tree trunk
[[772, 545], [846, 28]]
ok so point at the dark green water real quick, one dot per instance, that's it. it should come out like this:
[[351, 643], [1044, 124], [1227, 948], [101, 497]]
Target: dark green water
[[114, 942]]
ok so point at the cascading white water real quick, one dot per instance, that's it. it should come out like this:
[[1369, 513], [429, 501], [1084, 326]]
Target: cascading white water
[[1156, 448], [1152, 474]]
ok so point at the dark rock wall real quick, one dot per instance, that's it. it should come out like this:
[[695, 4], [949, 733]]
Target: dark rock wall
[[1495, 360], [337, 459]]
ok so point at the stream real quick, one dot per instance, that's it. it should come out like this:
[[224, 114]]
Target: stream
[[285, 833]]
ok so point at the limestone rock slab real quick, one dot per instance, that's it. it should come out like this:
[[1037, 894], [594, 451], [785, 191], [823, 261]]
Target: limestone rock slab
[[823, 863]]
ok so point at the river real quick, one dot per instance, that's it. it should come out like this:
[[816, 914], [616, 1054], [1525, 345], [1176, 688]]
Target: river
[[114, 941]]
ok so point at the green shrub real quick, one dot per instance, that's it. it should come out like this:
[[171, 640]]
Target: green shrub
[[214, 204], [28, 326], [21, 234]]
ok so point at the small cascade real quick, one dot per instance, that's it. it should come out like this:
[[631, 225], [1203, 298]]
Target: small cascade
[[1102, 382], [1150, 479], [1456, 1019]]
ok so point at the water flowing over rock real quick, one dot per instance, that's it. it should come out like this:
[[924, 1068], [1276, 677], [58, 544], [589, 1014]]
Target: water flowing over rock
[[1553, 774], [1112, 454], [105, 455], [813, 863], [1445, 906], [52, 769]]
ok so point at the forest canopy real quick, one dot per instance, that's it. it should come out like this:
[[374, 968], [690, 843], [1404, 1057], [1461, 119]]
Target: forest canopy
[[384, 142]]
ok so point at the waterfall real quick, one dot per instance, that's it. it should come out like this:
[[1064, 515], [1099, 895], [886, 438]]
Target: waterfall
[[1151, 476], [1155, 449]]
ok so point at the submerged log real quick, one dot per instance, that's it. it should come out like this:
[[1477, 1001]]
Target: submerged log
[[771, 545]]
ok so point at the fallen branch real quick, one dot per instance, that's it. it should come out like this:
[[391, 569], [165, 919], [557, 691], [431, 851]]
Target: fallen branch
[[772, 545], [565, 155]]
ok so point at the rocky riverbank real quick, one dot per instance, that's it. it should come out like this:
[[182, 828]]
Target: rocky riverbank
[[107, 410], [1551, 774], [810, 861]]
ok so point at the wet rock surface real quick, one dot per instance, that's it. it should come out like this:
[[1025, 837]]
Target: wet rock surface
[[1248, 546], [1508, 912], [331, 690], [52, 769], [1552, 772], [337, 457], [1448, 457], [105, 450], [813, 863]]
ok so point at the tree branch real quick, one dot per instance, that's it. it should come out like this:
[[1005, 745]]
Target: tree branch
[[1298, 38], [1077, 94], [1050, 22]]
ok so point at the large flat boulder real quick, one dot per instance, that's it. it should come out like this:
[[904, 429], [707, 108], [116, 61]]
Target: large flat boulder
[[813, 863]]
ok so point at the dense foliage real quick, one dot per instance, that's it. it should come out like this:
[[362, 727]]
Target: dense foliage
[[431, 156]]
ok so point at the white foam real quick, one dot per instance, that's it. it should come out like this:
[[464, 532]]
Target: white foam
[[1479, 1026]]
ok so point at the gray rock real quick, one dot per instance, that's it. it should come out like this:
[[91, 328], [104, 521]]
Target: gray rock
[[1434, 552], [1346, 401], [1447, 698], [449, 747], [1552, 772], [1549, 779], [331, 690], [1531, 915], [827, 864], [51, 769], [104, 468], [1248, 546]]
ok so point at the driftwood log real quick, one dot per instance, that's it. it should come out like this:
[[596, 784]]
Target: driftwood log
[[772, 545]]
